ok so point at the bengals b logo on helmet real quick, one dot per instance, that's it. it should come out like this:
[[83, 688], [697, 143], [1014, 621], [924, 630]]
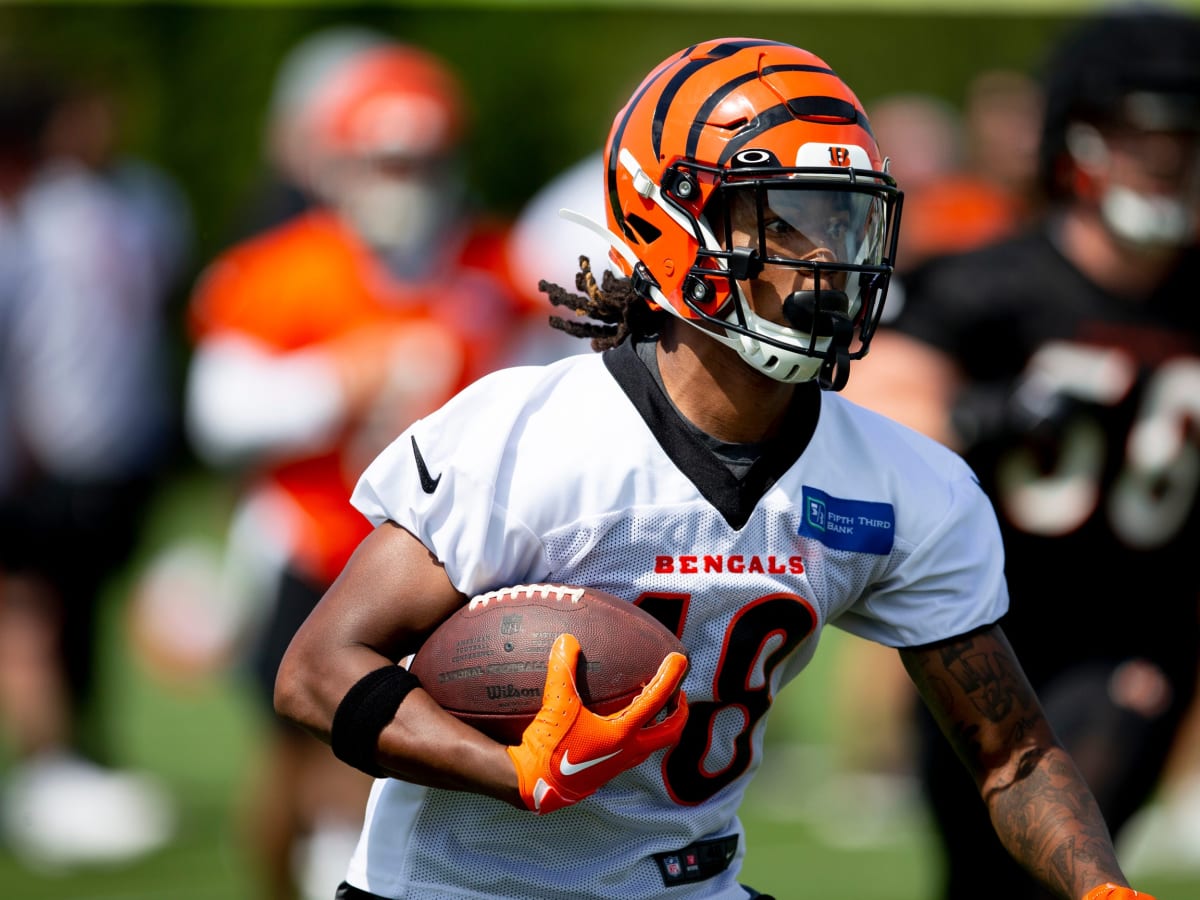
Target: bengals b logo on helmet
[[839, 156]]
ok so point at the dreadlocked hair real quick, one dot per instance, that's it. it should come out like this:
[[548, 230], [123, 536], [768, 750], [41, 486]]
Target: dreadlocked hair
[[614, 309]]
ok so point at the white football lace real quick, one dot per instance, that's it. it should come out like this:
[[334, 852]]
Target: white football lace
[[545, 591]]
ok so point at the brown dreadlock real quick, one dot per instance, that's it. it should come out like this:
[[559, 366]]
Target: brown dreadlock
[[615, 308]]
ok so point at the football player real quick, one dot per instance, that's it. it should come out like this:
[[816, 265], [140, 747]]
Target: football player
[[1065, 365], [92, 244], [704, 466], [317, 341]]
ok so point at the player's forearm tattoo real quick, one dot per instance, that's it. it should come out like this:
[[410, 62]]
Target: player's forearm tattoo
[[987, 679], [1050, 823], [981, 673], [1039, 803]]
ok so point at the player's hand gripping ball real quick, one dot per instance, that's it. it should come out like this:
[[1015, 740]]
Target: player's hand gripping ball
[[487, 663], [569, 752], [573, 677]]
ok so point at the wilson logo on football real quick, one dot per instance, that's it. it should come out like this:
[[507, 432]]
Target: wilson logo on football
[[509, 691]]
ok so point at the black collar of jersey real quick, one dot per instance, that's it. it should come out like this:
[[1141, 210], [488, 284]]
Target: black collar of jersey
[[732, 497]]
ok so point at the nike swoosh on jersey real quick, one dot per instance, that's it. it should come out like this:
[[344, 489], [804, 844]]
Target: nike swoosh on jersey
[[428, 482], [569, 768]]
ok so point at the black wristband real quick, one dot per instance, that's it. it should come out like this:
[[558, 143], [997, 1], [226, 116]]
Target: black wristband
[[364, 712]]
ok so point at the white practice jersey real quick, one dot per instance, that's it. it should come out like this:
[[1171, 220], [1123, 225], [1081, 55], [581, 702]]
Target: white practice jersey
[[581, 472]]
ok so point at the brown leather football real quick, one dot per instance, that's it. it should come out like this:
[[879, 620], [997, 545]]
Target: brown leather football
[[486, 664]]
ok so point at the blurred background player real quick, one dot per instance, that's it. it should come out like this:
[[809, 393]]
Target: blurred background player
[[283, 188], [1065, 364], [93, 247], [317, 342]]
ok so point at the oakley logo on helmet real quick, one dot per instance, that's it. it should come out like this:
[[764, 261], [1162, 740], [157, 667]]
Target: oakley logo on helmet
[[749, 158]]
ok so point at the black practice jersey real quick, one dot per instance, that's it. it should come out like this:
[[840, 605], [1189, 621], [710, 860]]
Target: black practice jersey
[[1083, 423]]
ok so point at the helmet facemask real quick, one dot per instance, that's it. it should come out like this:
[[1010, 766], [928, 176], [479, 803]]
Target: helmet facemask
[[823, 239]]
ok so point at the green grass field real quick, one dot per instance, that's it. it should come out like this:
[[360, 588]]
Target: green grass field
[[200, 736]]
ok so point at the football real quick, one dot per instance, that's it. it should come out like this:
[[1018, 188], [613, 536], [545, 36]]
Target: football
[[486, 664]]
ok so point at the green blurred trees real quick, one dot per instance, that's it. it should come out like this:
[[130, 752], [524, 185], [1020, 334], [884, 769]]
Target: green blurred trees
[[194, 79]]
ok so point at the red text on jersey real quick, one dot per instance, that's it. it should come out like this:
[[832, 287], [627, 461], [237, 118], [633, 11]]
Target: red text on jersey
[[736, 563]]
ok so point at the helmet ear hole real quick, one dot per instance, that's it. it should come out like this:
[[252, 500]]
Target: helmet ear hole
[[644, 230]]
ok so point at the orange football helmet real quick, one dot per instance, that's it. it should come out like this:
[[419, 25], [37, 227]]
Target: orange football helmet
[[740, 121], [386, 130], [390, 101]]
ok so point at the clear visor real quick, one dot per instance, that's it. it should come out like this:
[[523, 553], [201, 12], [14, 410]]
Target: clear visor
[[805, 256], [804, 223]]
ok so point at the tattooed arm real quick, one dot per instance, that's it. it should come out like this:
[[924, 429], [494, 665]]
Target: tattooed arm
[[1040, 806]]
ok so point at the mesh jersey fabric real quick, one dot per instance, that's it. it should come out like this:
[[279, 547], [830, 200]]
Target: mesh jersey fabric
[[579, 472]]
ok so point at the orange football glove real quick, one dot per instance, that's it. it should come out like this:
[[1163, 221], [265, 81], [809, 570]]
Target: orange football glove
[[568, 752], [1112, 891]]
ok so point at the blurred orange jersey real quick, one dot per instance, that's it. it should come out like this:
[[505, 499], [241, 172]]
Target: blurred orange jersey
[[312, 282]]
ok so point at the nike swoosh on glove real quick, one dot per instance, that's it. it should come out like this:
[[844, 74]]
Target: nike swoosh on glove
[[1111, 891], [568, 752]]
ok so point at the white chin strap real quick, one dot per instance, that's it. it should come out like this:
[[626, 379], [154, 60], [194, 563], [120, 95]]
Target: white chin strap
[[788, 366]]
